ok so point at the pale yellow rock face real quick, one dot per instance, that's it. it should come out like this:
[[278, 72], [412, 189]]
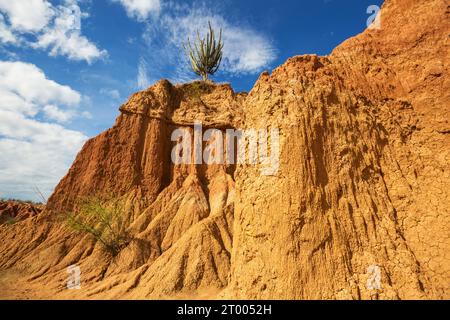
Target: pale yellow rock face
[[363, 183], [365, 168]]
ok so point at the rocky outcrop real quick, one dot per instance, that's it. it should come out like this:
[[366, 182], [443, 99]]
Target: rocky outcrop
[[12, 211], [362, 184], [136, 153], [364, 168]]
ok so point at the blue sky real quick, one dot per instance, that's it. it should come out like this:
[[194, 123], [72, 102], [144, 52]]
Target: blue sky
[[67, 65]]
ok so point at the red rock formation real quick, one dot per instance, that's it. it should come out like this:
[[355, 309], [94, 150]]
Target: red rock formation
[[14, 211]]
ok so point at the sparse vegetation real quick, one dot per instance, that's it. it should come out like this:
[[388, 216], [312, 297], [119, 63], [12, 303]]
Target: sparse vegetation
[[104, 221], [196, 89], [10, 221], [205, 54], [7, 220]]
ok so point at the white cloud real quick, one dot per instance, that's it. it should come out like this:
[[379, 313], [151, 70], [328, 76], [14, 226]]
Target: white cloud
[[34, 152], [56, 28], [112, 93], [25, 88], [52, 112], [6, 36], [16, 126], [246, 50], [27, 15], [140, 9], [86, 114], [143, 81], [64, 37]]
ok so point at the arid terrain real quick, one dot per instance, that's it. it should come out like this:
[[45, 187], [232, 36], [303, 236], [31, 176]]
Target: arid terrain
[[364, 181]]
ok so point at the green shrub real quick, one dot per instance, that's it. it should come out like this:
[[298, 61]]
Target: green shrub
[[104, 220], [7, 220], [196, 89], [10, 221]]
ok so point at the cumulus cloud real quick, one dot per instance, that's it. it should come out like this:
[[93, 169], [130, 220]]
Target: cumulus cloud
[[246, 50], [24, 88], [64, 37], [53, 28], [140, 9], [34, 152], [27, 15], [52, 112]]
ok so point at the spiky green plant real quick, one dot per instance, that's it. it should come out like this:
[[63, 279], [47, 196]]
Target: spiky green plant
[[206, 54]]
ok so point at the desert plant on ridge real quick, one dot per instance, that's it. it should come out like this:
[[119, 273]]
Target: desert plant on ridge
[[104, 221], [206, 54]]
